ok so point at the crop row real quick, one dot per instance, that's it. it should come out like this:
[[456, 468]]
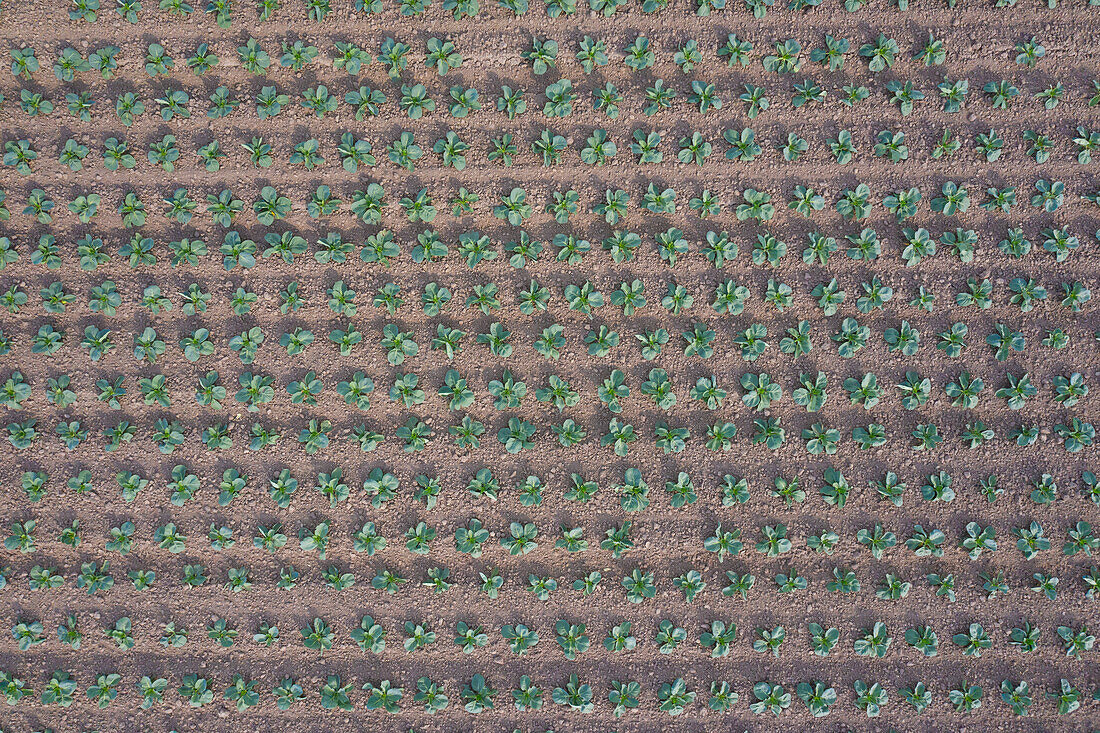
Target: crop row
[[760, 390], [699, 341], [381, 486], [719, 637], [222, 11], [560, 100], [730, 299], [369, 206], [639, 585], [520, 434], [382, 248], [673, 697], [542, 55], [520, 539], [615, 205], [596, 148]]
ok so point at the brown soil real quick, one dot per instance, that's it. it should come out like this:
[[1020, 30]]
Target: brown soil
[[980, 41]]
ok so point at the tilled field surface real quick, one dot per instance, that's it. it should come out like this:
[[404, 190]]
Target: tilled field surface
[[633, 366]]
